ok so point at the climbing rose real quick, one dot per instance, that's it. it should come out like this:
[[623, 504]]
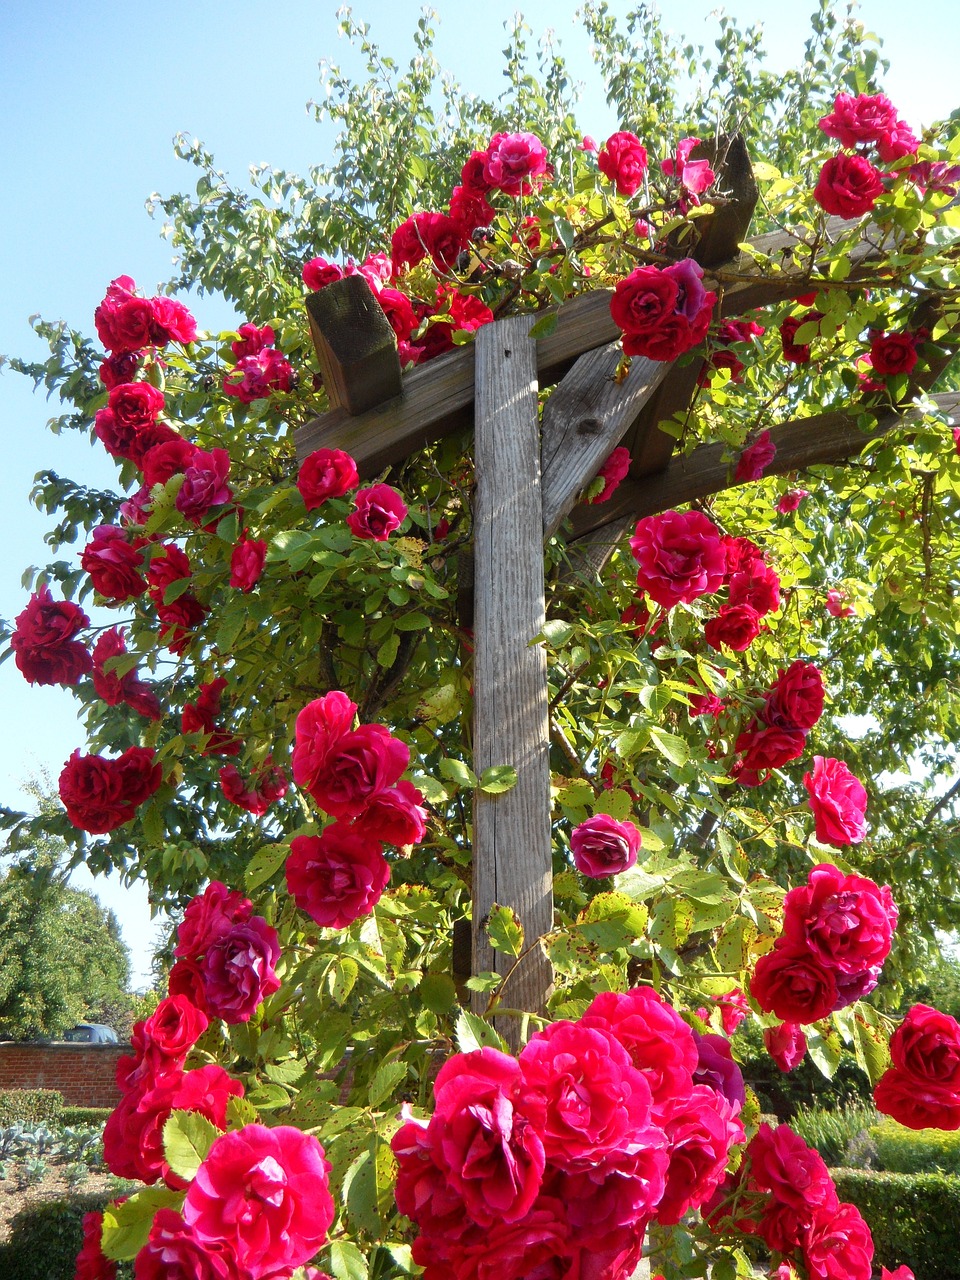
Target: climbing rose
[[700, 1134], [173, 1252], [763, 749], [717, 1068], [251, 340], [846, 921], [602, 847], [325, 473], [786, 1045], [513, 162], [835, 606], [848, 186], [123, 321], [204, 484], [267, 785], [239, 970], [255, 377], [755, 459], [119, 368], [623, 159], [246, 563], [100, 794], [263, 1195], [694, 175], [865, 118], [794, 984], [838, 800], [839, 1246], [318, 273], [679, 556], [736, 626], [113, 564], [43, 643], [338, 876], [209, 916], [663, 311], [922, 1088], [377, 512], [319, 729], [795, 699], [92, 1263], [115, 689], [201, 717], [613, 472], [394, 815], [790, 500], [893, 353]]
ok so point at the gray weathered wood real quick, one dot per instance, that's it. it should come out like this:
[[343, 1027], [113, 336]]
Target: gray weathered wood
[[586, 417], [356, 347], [512, 858]]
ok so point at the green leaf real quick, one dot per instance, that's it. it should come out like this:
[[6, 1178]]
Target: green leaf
[[187, 1137], [870, 1047], [631, 742], [412, 622], [473, 1033], [342, 977], [668, 744], [360, 1194], [264, 863], [825, 1052], [544, 326], [268, 1095], [347, 1262], [616, 803], [440, 705], [288, 1071], [385, 1080], [456, 771], [504, 930], [387, 653], [556, 632], [126, 1226], [498, 778], [438, 991]]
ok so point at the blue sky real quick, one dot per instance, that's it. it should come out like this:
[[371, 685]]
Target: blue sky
[[91, 96]]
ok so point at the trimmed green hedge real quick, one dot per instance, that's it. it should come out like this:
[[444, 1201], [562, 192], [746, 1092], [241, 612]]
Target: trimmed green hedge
[[31, 1106], [45, 1239], [903, 1150], [914, 1218], [78, 1117]]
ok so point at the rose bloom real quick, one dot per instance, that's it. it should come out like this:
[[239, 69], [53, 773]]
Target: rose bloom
[[325, 473], [764, 749], [623, 159], [251, 339], [338, 876], [113, 564], [839, 1246], [901, 1273], [700, 1134], [172, 322], [864, 118], [794, 1176], [179, 621], [694, 175], [267, 785], [443, 239], [255, 377], [757, 585], [319, 729], [644, 300], [797, 352], [246, 563], [893, 353], [613, 472], [736, 626], [922, 1088], [167, 458], [795, 700], [365, 762], [794, 984], [115, 689], [123, 367], [469, 210], [602, 847], [791, 500], [513, 162], [916, 1104], [592, 1096], [43, 643], [377, 512], [786, 1045], [398, 309], [173, 1252], [394, 816], [318, 273], [262, 1195], [100, 794], [755, 459], [92, 1263], [201, 717], [838, 800], [204, 484], [679, 557], [835, 606], [209, 916], [848, 186], [123, 321], [847, 921], [717, 1068], [239, 970]]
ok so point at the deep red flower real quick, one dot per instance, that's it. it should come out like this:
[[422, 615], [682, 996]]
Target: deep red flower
[[338, 876], [679, 556], [43, 642], [377, 512], [848, 186], [794, 984], [100, 794], [623, 159]]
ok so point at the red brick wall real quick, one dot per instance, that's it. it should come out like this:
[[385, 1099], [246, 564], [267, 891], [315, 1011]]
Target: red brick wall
[[83, 1073]]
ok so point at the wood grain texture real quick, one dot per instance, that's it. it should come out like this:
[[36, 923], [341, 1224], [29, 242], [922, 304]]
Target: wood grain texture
[[355, 344], [586, 417], [512, 857]]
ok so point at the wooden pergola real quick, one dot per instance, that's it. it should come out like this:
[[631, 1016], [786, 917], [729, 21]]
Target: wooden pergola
[[530, 472]]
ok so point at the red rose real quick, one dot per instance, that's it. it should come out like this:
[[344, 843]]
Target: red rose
[[765, 749], [786, 1045], [847, 921], [623, 159], [644, 300], [797, 353], [255, 377], [613, 472], [326, 473], [267, 785], [251, 340], [338, 876], [443, 239], [173, 1028], [922, 1088], [797, 1182], [92, 1263], [757, 585], [239, 970], [790, 500], [864, 118], [283, 1174], [394, 816], [398, 309], [135, 405], [115, 689], [838, 800], [839, 1246], [915, 1104], [174, 1250], [700, 1134], [317, 274], [679, 556], [406, 245], [795, 700], [113, 564], [671, 339], [123, 321], [209, 916], [472, 174], [896, 142], [736, 626], [754, 460], [321, 725], [377, 512], [513, 161], [848, 186], [792, 983], [100, 795], [364, 763], [602, 847], [246, 563], [201, 716], [179, 621], [893, 353], [167, 458], [172, 322], [43, 643], [119, 368], [204, 484], [470, 210]]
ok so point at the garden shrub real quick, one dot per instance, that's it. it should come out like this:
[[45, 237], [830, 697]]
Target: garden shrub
[[913, 1217], [77, 1117], [31, 1106], [903, 1150], [46, 1238], [831, 1132]]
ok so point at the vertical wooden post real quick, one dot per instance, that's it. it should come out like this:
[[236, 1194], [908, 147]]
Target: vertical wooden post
[[512, 858]]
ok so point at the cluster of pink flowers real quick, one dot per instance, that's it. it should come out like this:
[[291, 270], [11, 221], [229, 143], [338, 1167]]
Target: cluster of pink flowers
[[783, 1192], [849, 184], [837, 931], [100, 794], [226, 956], [663, 311], [921, 1089], [694, 176], [331, 473], [602, 846], [354, 775], [260, 369], [127, 323], [562, 1158]]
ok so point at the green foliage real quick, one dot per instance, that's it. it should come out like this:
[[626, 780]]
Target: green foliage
[[46, 1237], [831, 1132], [901, 1150], [913, 1218], [76, 1116], [32, 1106]]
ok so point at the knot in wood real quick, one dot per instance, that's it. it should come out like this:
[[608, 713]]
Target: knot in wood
[[589, 426]]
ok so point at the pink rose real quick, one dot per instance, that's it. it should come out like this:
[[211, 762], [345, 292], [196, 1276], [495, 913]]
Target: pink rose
[[172, 322], [679, 556], [92, 1263], [757, 585], [113, 564], [43, 641], [838, 800], [321, 725], [256, 377], [263, 1196], [901, 1273], [786, 1045], [394, 816], [326, 473], [839, 1246], [793, 983], [602, 847], [613, 472], [694, 175], [239, 970], [846, 921], [848, 186], [755, 459], [100, 795], [377, 512], [623, 159], [864, 118], [318, 273], [513, 162], [246, 563], [736, 626], [209, 916], [700, 1134], [204, 484], [173, 1251], [267, 785], [251, 339], [795, 700], [791, 500], [835, 606], [338, 876]]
